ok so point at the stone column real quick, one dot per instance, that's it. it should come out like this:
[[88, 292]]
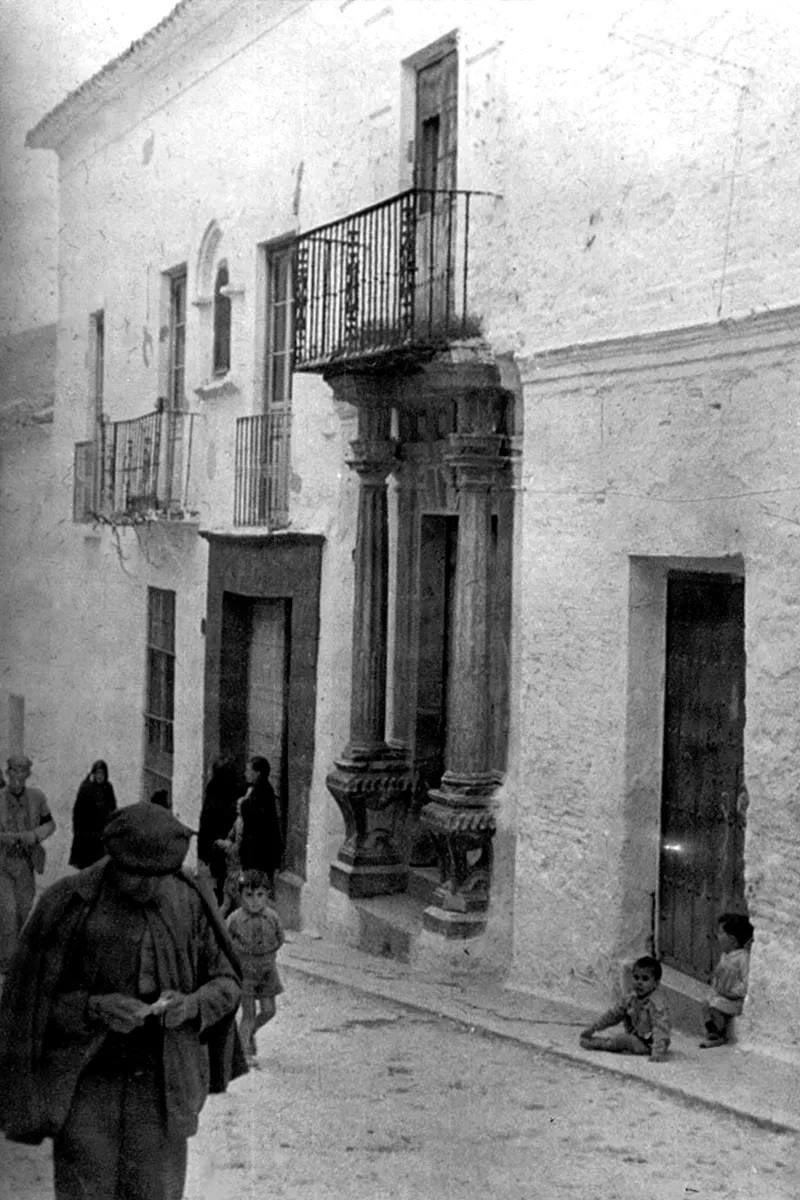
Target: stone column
[[368, 782], [459, 814]]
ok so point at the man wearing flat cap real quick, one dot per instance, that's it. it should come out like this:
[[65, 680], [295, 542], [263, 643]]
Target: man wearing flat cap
[[25, 822], [117, 1016]]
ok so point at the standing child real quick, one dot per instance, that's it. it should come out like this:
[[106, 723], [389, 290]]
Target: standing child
[[644, 1014], [257, 935], [729, 981]]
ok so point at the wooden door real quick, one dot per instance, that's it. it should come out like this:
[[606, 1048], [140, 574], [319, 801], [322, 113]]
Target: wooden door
[[702, 812], [435, 175]]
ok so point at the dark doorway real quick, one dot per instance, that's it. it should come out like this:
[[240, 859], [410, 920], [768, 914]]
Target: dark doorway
[[703, 804], [438, 543], [254, 684], [437, 564]]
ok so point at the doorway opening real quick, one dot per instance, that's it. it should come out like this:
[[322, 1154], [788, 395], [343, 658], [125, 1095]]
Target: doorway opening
[[254, 685], [703, 801]]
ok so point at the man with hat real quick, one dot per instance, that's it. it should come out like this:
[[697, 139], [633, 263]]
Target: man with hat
[[117, 1016], [25, 822]]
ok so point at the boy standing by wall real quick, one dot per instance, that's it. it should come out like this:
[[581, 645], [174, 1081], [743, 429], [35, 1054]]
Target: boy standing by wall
[[257, 935], [729, 981]]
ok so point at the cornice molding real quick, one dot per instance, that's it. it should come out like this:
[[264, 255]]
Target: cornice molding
[[737, 337]]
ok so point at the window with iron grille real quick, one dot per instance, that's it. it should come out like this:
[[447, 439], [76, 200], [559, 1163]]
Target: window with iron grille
[[159, 714], [263, 440]]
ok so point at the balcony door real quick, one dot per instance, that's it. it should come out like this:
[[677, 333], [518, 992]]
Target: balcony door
[[435, 176], [273, 450], [173, 468]]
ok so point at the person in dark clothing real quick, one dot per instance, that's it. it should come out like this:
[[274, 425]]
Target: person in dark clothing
[[94, 805], [217, 816], [261, 841], [117, 1016]]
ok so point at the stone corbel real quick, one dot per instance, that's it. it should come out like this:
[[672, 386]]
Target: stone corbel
[[218, 389]]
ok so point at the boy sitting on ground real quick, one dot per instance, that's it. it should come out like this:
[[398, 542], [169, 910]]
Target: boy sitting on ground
[[644, 1014]]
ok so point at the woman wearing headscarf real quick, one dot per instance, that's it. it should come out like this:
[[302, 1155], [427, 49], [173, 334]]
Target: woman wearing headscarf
[[117, 1016], [94, 805], [261, 841], [217, 816]]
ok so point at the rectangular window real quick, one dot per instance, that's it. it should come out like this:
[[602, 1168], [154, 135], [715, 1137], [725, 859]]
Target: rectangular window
[[99, 339], [159, 714], [177, 341], [96, 481], [280, 289]]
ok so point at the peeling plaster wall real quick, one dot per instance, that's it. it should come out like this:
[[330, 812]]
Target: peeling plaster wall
[[634, 464]]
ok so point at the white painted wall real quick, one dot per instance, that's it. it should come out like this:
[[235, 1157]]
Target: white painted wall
[[641, 160], [636, 460]]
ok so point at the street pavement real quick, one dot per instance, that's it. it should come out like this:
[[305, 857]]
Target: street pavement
[[374, 1083]]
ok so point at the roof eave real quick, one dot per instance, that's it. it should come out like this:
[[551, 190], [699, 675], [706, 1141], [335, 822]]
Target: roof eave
[[56, 125]]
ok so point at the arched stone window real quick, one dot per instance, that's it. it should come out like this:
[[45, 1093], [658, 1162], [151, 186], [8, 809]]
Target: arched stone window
[[215, 299], [222, 322]]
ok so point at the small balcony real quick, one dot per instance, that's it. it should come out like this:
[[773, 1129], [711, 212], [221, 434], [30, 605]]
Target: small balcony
[[388, 282], [261, 484], [137, 469]]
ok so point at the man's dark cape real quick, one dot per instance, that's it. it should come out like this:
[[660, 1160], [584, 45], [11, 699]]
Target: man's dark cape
[[35, 1097]]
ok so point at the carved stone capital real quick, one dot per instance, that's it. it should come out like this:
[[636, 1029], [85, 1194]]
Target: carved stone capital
[[474, 459], [373, 459]]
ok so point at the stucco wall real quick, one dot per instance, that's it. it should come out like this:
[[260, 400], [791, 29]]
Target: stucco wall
[[638, 459], [629, 153]]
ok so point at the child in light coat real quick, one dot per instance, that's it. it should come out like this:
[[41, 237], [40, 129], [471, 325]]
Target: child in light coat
[[729, 980]]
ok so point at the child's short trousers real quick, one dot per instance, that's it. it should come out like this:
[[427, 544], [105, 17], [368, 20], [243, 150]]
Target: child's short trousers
[[260, 981]]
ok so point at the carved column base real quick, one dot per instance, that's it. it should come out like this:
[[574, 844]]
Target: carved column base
[[372, 794], [461, 822]]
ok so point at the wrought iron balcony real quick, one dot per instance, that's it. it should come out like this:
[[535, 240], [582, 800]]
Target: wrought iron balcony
[[261, 488], [135, 468], [390, 280]]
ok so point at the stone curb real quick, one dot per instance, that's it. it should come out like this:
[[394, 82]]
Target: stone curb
[[489, 1012]]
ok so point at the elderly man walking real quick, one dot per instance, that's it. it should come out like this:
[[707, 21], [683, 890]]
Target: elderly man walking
[[25, 822], [117, 1016]]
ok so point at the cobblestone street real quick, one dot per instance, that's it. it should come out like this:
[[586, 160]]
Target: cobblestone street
[[356, 1098]]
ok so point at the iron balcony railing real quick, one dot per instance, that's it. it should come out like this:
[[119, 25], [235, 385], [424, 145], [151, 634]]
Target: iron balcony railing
[[261, 485], [390, 278], [136, 467]]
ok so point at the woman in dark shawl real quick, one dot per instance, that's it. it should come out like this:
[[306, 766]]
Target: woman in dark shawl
[[94, 805], [217, 815], [261, 843]]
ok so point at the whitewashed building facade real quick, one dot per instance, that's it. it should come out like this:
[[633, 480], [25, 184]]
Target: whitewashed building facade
[[502, 576]]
